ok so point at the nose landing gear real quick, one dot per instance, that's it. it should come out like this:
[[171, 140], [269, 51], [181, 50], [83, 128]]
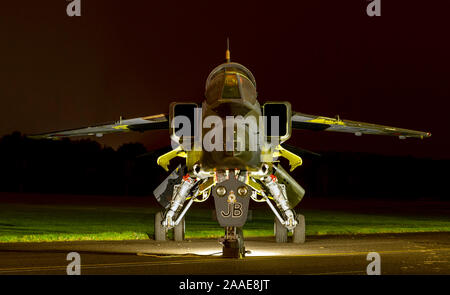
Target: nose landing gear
[[233, 243]]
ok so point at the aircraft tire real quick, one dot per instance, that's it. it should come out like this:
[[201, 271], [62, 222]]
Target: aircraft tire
[[179, 230], [160, 231], [234, 248], [281, 233], [298, 236], [240, 234]]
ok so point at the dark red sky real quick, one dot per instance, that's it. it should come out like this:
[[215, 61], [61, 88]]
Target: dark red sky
[[133, 58]]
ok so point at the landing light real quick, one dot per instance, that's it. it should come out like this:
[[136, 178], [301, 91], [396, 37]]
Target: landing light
[[242, 191], [221, 191]]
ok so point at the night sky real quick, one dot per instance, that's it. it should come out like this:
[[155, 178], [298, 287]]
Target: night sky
[[133, 58]]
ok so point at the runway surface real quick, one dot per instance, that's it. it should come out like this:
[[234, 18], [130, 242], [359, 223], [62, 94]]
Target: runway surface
[[426, 253]]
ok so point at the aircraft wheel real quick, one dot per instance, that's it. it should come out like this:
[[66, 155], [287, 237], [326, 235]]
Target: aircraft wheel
[[179, 230], [298, 236], [160, 231], [281, 233], [240, 234], [234, 248]]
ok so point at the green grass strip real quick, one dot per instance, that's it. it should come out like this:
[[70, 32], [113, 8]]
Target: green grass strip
[[38, 223]]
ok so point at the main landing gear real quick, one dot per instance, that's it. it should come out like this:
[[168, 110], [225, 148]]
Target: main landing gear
[[161, 231], [287, 220], [298, 232]]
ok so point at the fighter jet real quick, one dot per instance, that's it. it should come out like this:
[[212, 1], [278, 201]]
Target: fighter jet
[[231, 145]]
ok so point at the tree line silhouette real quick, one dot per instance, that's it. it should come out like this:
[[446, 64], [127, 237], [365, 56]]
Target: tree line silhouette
[[86, 167]]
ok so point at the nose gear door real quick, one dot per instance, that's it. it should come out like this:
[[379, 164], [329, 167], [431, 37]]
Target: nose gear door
[[164, 192], [231, 198]]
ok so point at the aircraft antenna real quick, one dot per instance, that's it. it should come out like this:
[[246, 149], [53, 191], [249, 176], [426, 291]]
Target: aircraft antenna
[[227, 53]]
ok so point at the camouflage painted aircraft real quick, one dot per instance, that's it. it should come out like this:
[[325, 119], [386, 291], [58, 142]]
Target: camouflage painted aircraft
[[231, 176]]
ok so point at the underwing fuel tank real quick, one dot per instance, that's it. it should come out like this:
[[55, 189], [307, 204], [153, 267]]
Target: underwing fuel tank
[[294, 190]]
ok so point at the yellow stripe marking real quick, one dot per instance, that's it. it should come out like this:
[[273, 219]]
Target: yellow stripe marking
[[153, 116], [121, 127], [325, 120]]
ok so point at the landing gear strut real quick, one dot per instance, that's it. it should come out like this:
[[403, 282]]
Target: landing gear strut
[[233, 243]]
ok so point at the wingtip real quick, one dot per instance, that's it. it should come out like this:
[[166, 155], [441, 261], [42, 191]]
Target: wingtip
[[427, 135]]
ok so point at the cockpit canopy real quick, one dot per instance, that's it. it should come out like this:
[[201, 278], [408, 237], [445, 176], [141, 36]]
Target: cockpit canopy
[[230, 81]]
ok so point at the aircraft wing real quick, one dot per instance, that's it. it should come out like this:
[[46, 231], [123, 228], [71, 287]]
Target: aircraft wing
[[155, 122], [319, 123]]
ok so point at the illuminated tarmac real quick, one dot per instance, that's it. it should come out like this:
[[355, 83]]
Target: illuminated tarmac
[[425, 253]]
